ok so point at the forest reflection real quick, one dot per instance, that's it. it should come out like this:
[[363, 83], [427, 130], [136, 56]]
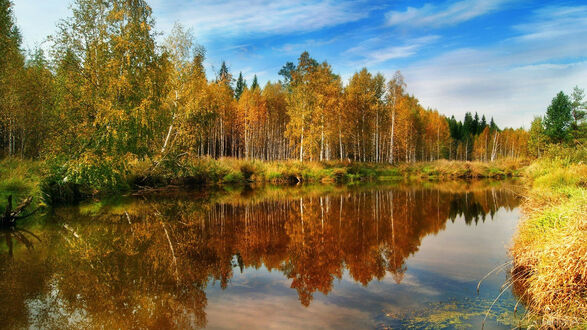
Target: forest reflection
[[148, 262]]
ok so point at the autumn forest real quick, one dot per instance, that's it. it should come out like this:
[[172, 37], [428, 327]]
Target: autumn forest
[[108, 89]]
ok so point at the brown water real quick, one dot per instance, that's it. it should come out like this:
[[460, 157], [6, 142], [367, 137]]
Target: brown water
[[269, 257]]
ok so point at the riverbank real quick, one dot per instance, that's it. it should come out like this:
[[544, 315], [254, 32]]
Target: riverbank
[[550, 248], [229, 171], [25, 178]]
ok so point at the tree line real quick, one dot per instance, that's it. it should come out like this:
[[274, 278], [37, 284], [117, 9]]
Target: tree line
[[108, 92]]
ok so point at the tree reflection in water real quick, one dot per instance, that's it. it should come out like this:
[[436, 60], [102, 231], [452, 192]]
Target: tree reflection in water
[[148, 262]]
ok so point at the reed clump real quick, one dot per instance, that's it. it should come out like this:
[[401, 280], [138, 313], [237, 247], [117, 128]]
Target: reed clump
[[19, 178], [550, 248]]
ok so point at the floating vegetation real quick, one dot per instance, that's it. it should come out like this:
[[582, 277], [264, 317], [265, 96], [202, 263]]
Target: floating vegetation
[[458, 314]]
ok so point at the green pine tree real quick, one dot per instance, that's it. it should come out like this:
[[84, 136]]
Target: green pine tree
[[286, 72], [241, 85], [493, 126], [558, 119], [224, 75]]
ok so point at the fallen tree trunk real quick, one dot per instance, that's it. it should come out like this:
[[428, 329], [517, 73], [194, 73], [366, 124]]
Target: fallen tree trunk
[[11, 215]]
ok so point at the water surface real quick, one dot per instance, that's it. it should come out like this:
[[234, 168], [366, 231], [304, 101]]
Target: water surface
[[266, 257]]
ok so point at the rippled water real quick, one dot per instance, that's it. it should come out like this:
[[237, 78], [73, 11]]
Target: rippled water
[[295, 257]]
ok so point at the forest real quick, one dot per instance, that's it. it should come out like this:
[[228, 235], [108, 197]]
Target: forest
[[109, 93]]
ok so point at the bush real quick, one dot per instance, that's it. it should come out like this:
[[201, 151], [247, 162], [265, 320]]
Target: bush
[[234, 177], [69, 181], [339, 174], [247, 171], [19, 178], [566, 154]]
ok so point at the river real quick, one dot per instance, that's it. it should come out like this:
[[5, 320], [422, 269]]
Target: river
[[308, 256]]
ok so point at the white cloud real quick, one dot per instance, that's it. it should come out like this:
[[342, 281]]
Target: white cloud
[[307, 45], [279, 312], [513, 80], [211, 18], [432, 15], [372, 53], [555, 22]]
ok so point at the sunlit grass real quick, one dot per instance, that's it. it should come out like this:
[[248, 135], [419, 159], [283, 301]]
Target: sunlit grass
[[231, 170], [19, 178], [550, 249], [69, 186], [441, 169]]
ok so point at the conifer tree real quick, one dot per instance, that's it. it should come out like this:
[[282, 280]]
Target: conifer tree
[[476, 130], [558, 119], [483, 123], [241, 85], [286, 72], [224, 75], [493, 125]]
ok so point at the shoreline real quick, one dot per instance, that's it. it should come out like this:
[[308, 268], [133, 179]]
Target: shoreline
[[549, 250], [203, 172]]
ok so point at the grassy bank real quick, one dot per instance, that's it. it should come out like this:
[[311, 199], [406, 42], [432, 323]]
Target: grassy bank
[[444, 169], [56, 185], [19, 178], [550, 248], [227, 170]]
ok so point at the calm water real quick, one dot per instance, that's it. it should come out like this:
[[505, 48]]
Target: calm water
[[297, 257]]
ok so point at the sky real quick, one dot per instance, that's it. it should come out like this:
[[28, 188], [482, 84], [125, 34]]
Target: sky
[[502, 58]]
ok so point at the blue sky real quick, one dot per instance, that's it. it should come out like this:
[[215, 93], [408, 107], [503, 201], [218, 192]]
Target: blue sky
[[506, 59]]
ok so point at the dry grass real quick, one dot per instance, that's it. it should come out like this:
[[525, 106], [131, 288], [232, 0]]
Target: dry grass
[[19, 178], [192, 172], [550, 248], [231, 170], [465, 170]]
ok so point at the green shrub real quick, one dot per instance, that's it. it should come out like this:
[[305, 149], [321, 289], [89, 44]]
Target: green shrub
[[566, 154], [71, 180], [14, 184], [274, 176], [19, 178], [389, 172], [247, 170], [234, 177], [495, 172], [339, 174], [367, 173]]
